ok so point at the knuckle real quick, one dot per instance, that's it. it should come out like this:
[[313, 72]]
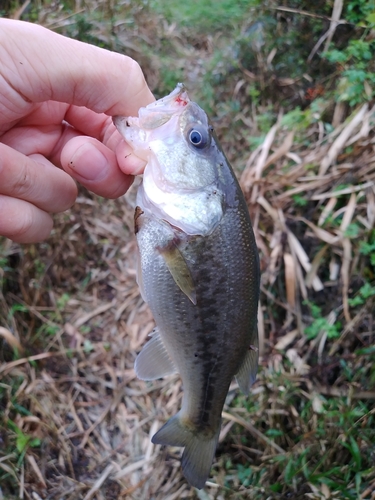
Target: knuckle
[[22, 181], [135, 68], [24, 224], [135, 76]]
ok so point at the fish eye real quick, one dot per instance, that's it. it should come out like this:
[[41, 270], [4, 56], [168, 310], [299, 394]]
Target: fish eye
[[198, 136], [195, 137]]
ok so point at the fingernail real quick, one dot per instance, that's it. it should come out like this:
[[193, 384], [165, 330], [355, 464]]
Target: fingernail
[[89, 163]]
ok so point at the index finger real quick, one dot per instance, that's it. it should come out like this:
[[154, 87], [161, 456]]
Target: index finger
[[52, 67]]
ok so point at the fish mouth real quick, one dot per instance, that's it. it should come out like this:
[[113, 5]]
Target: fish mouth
[[155, 114], [176, 99], [161, 111]]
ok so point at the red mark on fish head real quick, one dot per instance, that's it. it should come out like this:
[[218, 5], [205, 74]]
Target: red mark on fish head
[[181, 101]]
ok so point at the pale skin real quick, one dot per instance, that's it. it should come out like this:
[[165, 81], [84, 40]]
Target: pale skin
[[57, 97]]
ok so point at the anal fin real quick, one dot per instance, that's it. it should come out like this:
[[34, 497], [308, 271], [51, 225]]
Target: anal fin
[[153, 361]]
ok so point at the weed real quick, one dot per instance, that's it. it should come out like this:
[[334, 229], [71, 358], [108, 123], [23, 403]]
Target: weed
[[368, 247], [364, 293], [23, 441], [62, 301], [357, 83], [321, 324], [297, 118], [205, 16], [300, 200], [87, 346], [352, 231]]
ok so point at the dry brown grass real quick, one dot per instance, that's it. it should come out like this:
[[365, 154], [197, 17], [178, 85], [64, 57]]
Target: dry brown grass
[[317, 175], [72, 322]]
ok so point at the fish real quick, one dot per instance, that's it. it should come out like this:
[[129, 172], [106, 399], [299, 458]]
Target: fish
[[198, 271]]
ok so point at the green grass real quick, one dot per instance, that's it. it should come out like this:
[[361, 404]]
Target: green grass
[[328, 441], [205, 17]]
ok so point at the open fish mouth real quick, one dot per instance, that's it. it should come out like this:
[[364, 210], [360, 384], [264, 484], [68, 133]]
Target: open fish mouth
[[158, 112]]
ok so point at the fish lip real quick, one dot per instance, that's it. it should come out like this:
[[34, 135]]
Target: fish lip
[[168, 106], [156, 113], [178, 96]]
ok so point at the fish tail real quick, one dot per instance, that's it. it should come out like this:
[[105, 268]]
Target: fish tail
[[199, 450]]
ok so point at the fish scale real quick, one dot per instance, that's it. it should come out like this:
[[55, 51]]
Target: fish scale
[[198, 274]]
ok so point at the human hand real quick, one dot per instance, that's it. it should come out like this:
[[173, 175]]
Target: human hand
[[57, 96]]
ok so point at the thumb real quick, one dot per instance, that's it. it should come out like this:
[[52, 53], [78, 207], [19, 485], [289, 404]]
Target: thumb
[[95, 166]]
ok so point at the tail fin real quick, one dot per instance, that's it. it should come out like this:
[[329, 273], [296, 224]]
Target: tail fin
[[199, 449]]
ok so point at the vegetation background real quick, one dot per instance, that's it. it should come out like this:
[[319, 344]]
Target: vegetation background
[[289, 86]]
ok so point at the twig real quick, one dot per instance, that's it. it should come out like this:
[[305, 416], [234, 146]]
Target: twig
[[307, 14], [107, 471], [9, 366], [239, 420], [336, 13]]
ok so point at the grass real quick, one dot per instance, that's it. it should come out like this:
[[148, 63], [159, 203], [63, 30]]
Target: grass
[[75, 423], [206, 16]]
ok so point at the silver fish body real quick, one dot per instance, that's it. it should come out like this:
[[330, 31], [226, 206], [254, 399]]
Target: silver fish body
[[199, 273]]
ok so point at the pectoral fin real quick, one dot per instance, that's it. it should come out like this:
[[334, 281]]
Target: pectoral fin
[[153, 361], [248, 371], [180, 272]]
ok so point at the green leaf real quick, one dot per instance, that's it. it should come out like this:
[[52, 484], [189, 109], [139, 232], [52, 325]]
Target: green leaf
[[356, 301], [276, 487], [274, 433], [87, 346], [367, 290], [352, 231], [21, 410], [62, 301], [300, 200], [35, 442], [289, 471], [366, 248], [336, 56], [355, 452], [22, 442]]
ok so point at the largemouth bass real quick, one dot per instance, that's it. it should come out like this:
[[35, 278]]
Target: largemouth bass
[[199, 271]]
